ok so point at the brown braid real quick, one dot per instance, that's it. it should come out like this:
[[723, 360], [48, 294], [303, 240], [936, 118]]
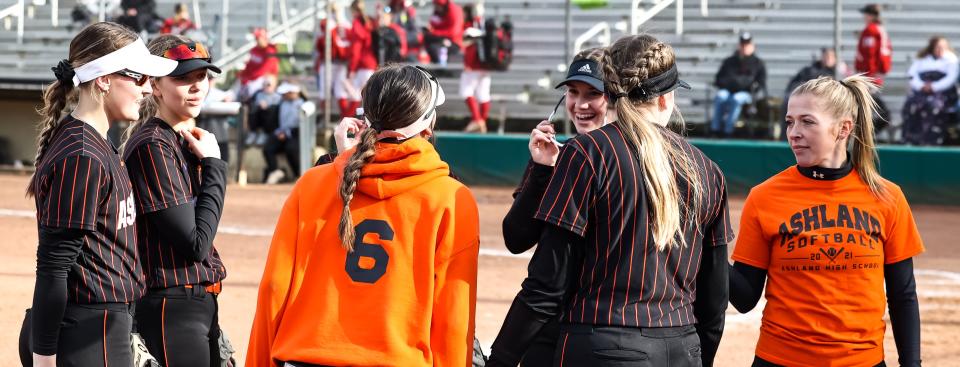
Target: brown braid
[[351, 174]]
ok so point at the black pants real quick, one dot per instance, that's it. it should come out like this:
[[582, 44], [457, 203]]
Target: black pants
[[760, 362], [179, 326], [433, 45], [290, 148], [90, 335], [601, 346]]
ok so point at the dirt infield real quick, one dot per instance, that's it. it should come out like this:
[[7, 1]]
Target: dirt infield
[[252, 211]]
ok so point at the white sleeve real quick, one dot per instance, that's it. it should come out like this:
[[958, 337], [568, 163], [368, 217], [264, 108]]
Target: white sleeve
[[950, 80]]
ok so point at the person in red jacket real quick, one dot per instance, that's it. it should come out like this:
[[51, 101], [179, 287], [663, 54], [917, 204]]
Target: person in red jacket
[[180, 22], [363, 61], [875, 56], [445, 30], [340, 58], [263, 61], [475, 78]]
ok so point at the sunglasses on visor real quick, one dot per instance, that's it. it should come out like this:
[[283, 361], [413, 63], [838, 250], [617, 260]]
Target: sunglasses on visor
[[138, 78], [192, 50]]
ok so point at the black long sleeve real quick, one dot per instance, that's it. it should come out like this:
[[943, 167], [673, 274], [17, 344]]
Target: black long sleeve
[[191, 228], [710, 305], [746, 286], [548, 276], [904, 310], [58, 251], [520, 229]]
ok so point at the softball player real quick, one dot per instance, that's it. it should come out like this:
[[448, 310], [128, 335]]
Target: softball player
[[826, 236], [374, 258], [363, 59], [475, 78], [88, 271], [587, 105], [340, 58], [633, 254], [178, 181]]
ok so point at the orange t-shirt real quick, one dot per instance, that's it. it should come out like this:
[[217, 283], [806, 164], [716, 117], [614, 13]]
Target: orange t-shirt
[[405, 296], [824, 244]]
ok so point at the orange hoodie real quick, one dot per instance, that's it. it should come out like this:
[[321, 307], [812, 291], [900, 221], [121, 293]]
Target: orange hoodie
[[405, 296]]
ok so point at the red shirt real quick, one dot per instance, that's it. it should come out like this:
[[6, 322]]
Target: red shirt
[[173, 26], [263, 61], [339, 45], [450, 25], [874, 52], [361, 46]]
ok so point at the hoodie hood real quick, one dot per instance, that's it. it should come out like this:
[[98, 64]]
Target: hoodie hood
[[396, 168]]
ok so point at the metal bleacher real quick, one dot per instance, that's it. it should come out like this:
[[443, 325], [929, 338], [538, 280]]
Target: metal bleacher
[[787, 32]]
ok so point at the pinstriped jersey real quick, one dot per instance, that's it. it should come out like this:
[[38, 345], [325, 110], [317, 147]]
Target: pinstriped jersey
[[166, 174], [597, 191], [82, 184]]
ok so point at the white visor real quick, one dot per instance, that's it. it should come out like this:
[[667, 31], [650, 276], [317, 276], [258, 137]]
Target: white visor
[[423, 122], [134, 57]]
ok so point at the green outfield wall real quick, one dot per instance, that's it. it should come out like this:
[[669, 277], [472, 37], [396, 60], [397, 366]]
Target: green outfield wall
[[927, 175]]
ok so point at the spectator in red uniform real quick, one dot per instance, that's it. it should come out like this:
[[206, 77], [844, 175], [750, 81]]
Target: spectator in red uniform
[[363, 60], [875, 56], [180, 22], [445, 31], [263, 61], [475, 79], [340, 58]]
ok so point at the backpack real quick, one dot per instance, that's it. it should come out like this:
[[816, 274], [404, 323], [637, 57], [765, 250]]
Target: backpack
[[495, 48], [386, 44]]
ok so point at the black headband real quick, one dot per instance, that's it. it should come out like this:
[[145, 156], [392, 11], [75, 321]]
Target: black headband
[[653, 87]]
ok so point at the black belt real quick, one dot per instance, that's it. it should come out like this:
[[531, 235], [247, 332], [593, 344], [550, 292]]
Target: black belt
[[653, 332]]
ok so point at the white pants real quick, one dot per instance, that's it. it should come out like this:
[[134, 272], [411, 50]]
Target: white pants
[[359, 80], [339, 83], [475, 83]]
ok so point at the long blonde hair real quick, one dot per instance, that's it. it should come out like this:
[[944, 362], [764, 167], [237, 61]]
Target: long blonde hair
[[852, 98], [394, 97], [151, 104], [91, 43], [626, 64]]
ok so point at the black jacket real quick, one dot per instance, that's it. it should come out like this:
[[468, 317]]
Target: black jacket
[[742, 74], [809, 72]]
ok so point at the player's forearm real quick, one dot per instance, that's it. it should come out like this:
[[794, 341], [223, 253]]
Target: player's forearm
[[520, 229], [58, 250], [191, 228], [711, 302]]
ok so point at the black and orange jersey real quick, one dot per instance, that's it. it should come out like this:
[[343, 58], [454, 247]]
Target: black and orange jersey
[[597, 192], [166, 174], [82, 184]]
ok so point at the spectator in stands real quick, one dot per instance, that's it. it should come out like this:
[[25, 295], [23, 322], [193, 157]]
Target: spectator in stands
[[363, 60], [405, 15], [444, 34], [826, 65], [875, 57], [475, 79], [180, 22], [932, 103], [339, 57], [80, 16], [263, 111], [741, 77], [285, 137], [139, 15], [391, 39], [263, 63]]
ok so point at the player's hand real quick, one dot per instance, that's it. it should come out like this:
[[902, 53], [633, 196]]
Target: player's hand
[[201, 142], [44, 361], [281, 136], [543, 150], [342, 134], [351, 75]]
